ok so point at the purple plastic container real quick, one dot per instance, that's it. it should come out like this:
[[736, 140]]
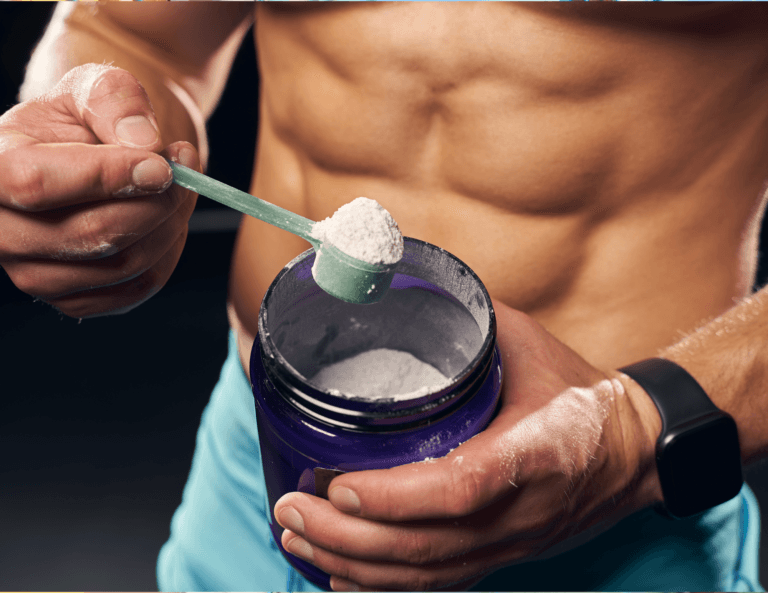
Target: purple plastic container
[[436, 308]]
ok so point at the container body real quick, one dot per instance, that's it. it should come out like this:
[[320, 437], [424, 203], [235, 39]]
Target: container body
[[308, 435]]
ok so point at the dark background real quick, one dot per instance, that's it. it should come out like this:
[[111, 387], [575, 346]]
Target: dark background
[[98, 419]]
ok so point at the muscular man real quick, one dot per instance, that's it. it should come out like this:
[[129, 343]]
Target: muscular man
[[599, 167]]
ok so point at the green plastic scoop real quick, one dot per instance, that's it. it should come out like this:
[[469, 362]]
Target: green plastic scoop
[[340, 275]]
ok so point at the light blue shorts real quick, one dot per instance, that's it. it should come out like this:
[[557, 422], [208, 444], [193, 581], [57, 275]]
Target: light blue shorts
[[220, 538]]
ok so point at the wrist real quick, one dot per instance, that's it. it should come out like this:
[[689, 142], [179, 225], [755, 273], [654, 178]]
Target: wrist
[[698, 453], [641, 434]]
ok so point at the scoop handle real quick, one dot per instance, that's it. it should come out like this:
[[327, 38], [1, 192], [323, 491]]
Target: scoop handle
[[243, 202]]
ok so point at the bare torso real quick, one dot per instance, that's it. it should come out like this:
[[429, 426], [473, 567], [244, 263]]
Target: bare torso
[[598, 171]]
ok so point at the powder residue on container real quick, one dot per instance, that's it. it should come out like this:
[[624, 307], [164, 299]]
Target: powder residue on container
[[364, 230], [381, 373]]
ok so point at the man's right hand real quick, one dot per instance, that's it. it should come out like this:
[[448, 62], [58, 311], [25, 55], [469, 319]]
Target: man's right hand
[[89, 220]]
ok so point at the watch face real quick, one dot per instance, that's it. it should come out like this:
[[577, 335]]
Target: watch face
[[700, 465]]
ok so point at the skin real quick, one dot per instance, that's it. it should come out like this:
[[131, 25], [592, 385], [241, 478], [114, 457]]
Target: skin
[[601, 169]]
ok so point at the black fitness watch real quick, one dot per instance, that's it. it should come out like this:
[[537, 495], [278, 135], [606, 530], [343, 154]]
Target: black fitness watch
[[697, 454]]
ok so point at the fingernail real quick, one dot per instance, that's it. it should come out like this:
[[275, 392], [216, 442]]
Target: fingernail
[[338, 584], [187, 158], [152, 175], [291, 519], [301, 548], [136, 130], [344, 499]]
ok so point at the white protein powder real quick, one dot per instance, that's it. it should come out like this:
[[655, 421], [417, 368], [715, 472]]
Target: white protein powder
[[363, 230], [380, 374]]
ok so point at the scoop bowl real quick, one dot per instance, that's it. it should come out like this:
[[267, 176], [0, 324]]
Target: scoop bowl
[[348, 278]]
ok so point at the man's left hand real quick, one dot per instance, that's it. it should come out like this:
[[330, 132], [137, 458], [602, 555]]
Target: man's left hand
[[570, 453]]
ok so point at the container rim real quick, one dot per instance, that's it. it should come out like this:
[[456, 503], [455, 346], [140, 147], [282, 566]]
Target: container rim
[[360, 411]]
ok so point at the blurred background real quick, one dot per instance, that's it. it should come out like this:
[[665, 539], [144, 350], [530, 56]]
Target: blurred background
[[98, 419]]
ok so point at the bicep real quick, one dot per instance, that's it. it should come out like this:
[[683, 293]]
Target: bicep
[[199, 39]]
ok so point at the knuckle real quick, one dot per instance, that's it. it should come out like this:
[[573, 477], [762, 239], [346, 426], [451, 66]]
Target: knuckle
[[85, 251], [24, 186], [151, 281], [91, 236], [416, 546], [133, 260], [466, 488], [116, 84]]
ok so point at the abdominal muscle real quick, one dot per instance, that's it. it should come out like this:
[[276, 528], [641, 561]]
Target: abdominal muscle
[[604, 179]]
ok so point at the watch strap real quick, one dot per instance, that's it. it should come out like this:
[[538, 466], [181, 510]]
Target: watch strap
[[677, 395]]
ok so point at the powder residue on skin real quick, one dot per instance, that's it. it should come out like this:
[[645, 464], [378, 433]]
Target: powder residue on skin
[[363, 230], [565, 434], [380, 374], [79, 83]]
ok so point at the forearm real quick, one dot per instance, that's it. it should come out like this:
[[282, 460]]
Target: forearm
[[729, 358]]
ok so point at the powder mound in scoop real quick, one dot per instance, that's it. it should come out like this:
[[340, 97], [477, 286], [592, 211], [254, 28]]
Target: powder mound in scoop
[[380, 374], [363, 230]]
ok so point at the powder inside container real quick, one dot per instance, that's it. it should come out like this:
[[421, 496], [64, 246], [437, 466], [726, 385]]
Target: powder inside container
[[363, 230], [380, 374]]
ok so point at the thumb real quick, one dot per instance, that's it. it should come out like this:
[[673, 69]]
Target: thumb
[[471, 477], [112, 103]]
